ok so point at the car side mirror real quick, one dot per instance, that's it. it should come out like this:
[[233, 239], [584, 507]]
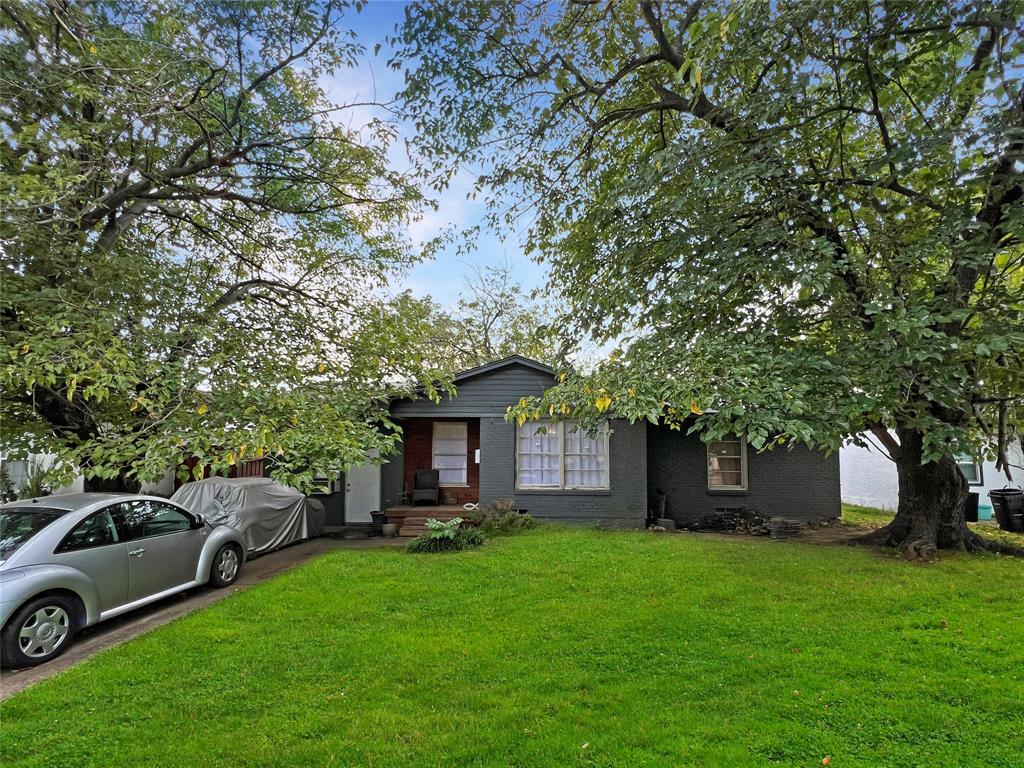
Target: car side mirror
[[198, 521]]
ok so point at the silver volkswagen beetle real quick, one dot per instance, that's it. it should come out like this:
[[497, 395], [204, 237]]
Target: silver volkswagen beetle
[[67, 562]]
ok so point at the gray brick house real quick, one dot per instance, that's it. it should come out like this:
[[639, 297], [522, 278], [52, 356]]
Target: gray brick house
[[558, 473]]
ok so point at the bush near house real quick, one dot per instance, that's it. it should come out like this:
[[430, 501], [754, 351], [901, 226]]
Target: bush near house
[[501, 517], [450, 536]]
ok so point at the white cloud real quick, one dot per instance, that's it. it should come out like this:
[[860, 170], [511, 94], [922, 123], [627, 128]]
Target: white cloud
[[365, 87]]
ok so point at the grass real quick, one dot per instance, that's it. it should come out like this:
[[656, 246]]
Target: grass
[[564, 648], [868, 517]]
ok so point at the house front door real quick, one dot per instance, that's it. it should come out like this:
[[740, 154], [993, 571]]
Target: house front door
[[362, 492]]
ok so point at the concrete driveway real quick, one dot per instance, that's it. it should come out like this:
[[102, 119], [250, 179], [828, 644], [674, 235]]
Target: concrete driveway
[[99, 637]]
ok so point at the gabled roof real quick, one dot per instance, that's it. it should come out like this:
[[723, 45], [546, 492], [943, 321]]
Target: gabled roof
[[504, 363], [476, 405]]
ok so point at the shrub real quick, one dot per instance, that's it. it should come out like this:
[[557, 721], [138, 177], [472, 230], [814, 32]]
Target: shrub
[[35, 484], [501, 518], [447, 537], [7, 492]]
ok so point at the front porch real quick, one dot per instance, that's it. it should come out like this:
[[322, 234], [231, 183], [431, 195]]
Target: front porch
[[412, 520], [449, 445]]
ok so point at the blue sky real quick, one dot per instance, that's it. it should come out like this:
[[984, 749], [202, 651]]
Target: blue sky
[[443, 277]]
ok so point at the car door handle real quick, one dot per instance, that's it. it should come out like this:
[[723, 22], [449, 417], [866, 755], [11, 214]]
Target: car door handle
[[137, 552]]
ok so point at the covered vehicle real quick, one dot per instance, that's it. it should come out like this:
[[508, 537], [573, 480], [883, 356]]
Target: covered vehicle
[[267, 514], [67, 562]]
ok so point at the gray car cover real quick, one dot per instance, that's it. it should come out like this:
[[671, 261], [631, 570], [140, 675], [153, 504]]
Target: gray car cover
[[268, 515]]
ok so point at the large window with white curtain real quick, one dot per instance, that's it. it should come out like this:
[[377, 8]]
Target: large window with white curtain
[[561, 455], [450, 452]]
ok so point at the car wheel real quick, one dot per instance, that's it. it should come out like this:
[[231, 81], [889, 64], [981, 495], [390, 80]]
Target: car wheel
[[227, 564], [41, 630]]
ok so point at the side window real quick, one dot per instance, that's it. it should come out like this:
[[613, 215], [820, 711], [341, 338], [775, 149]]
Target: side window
[[727, 465], [971, 469], [144, 519], [97, 530]]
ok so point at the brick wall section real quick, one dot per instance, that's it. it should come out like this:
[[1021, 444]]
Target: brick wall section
[[800, 483], [623, 506], [418, 442]]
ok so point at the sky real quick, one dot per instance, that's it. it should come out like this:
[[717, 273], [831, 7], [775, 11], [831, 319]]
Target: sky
[[444, 276]]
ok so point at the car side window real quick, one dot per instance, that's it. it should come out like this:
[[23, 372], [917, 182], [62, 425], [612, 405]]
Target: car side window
[[145, 519], [97, 530]]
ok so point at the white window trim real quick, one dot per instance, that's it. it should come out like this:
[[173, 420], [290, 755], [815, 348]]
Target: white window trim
[[434, 454], [560, 426], [977, 470], [743, 465]]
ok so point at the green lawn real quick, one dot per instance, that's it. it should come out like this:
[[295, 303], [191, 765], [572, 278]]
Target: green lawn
[[855, 514], [561, 648]]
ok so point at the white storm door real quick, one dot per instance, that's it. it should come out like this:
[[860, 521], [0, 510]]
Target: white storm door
[[362, 492]]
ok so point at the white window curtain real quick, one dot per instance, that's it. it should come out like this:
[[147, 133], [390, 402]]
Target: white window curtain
[[451, 452], [586, 460], [727, 468], [561, 455], [539, 455]]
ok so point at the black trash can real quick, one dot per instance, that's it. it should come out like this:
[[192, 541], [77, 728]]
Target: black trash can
[[1008, 507], [971, 508]]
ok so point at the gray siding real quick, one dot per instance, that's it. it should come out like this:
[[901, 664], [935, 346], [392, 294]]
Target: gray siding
[[488, 394], [391, 472], [797, 483], [623, 506]]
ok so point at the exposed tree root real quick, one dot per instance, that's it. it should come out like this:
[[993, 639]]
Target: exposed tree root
[[930, 517], [918, 544]]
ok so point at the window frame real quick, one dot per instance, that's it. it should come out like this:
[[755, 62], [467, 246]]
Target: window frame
[[128, 532], [560, 426], [744, 480], [62, 548], [434, 454], [962, 459]]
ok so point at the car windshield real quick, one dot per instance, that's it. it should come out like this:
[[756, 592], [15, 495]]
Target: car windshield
[[19, 524]]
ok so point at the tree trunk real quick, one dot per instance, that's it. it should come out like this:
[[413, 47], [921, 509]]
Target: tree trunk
[[932, 498]]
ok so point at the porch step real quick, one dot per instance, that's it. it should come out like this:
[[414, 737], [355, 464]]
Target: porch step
[[416, 526]]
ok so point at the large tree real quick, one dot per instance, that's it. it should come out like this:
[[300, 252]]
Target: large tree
[[195, 240], [801, 221], [494, 317]]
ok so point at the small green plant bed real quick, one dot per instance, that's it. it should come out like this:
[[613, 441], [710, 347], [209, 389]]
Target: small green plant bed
[[501, 518], [497, 519], [451, 536]]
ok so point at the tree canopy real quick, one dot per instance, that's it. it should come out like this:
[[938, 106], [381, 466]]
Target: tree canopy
[[494, 317], [195, 240], [797, 220]]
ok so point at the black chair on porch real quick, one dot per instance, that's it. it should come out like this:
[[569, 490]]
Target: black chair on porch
[[426, 486]]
